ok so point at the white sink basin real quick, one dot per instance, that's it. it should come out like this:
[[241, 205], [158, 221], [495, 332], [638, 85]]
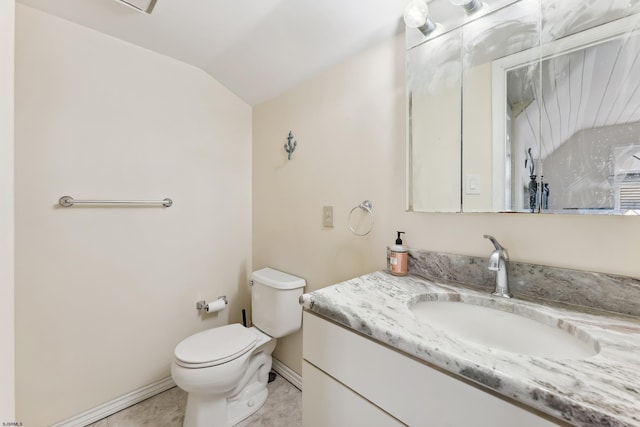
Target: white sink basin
[[499, 328]]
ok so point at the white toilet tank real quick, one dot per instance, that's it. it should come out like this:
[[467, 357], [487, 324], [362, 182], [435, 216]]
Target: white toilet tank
[[274, 302]]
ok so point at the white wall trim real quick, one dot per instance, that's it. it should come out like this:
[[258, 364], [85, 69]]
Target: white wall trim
[[287, 373], [137, 396], [117, 404]]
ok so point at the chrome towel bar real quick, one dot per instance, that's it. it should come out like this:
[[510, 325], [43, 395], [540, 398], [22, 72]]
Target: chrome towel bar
[[67, 201]]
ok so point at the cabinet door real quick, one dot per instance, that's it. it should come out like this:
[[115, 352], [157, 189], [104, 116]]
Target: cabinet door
[[407, 389], [328, 403]]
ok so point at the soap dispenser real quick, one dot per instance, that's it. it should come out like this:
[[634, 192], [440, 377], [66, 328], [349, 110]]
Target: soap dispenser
[[398, 257]]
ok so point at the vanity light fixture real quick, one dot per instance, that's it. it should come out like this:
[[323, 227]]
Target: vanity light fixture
[[416, 15], [469, 6], [144, 6]]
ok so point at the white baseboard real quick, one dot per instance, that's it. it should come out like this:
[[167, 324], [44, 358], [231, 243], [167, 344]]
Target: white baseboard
[[137, 396], [117, 404], [287, 373]]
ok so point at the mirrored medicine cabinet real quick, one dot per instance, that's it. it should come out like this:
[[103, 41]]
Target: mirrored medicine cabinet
[[526, 106]]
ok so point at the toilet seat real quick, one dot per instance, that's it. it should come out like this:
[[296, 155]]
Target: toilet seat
[[214, 346]]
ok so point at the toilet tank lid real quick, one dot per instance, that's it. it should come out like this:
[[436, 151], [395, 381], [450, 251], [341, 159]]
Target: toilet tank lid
[[277, 279]]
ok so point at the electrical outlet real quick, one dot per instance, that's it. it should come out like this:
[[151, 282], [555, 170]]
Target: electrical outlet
[[327, 216]]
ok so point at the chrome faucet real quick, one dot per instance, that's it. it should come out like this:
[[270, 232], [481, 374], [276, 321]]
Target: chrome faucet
[[498, 263]]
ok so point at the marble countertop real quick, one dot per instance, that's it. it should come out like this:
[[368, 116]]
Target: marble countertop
[[601, 390]]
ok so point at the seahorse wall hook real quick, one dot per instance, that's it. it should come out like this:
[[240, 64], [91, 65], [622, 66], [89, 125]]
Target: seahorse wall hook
[[288, 147]]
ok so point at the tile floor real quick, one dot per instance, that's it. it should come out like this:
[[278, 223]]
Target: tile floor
[[283, 408]]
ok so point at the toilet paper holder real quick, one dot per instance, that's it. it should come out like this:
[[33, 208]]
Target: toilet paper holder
[[202, 304]]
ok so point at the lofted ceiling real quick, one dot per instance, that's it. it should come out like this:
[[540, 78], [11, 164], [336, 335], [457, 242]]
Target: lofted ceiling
[[592, 88], [256, 48]]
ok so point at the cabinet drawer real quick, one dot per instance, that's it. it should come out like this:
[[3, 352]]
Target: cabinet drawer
[[409, 390], [328, 403]]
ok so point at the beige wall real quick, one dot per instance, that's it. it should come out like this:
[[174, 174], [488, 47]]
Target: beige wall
[[350, 128], [7, 379], [344, 123], [103, 295]]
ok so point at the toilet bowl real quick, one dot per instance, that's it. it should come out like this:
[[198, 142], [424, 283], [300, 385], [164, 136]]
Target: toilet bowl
[[225, 370], [227, 383]]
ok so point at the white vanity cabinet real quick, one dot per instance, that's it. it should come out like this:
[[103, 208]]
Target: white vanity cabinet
[[350, 380]]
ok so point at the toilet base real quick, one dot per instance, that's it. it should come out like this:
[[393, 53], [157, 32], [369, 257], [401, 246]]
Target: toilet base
[[206, 409], [237, 408], [253, 391], [242, 407]]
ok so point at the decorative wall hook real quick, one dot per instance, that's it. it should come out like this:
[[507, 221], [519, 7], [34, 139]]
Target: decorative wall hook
[[288, 147]]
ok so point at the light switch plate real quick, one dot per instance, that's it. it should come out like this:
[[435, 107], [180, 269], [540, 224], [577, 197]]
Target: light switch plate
[[473, 184]]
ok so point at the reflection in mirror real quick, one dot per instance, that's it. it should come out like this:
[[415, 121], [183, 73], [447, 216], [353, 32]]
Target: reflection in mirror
[[434, 96], [549, 117], [507, 31], [522, 136], [568, 17], [585, 113]]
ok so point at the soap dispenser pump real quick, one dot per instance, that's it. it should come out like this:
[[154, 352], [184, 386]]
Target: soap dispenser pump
[[398, 257]]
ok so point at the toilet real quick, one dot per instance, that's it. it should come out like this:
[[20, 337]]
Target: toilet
[[225, 370]]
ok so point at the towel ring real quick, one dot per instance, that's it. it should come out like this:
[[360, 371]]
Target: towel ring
[[366, 206]]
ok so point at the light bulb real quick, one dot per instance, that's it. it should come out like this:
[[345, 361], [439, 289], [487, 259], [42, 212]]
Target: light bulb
[[415, 14], [469, 5]]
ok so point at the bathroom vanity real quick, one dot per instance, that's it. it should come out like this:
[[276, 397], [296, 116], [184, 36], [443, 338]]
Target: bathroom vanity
[[352, 380], [371, 357]]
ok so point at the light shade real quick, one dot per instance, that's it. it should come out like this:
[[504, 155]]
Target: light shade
[[145, 6]]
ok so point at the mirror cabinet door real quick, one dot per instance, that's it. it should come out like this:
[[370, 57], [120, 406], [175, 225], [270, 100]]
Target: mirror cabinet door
[[532, 106], [489, 163], [434, 111], [590, 75]]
